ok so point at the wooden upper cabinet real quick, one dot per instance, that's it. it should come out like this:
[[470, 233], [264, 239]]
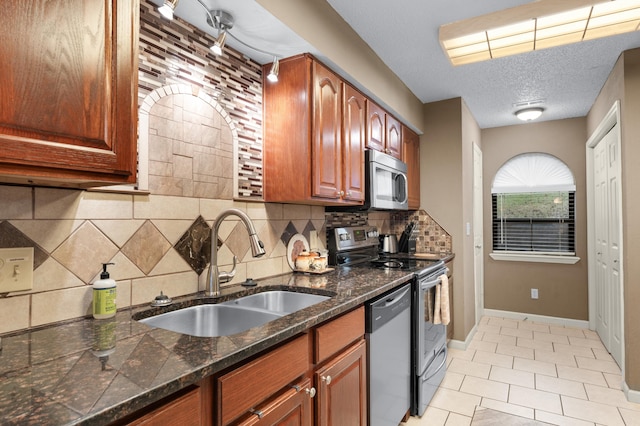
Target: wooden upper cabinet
[[68, 92], [411, 155], [394, 137], [327, 133], [310, 157], [353, 143], [384, 132], [376, 132]]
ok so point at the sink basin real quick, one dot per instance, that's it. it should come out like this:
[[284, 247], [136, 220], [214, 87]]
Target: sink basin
[[233, 316], [211, 320], [282, 302]]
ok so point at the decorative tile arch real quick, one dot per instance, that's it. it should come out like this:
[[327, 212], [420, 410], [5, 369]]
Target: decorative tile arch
[[143, 128]]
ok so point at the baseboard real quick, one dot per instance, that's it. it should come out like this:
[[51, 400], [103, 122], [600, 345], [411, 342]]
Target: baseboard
[[567, 322], [632, 395], [460, 344]]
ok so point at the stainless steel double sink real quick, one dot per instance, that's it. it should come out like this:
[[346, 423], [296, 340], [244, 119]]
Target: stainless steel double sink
[[233, 316]]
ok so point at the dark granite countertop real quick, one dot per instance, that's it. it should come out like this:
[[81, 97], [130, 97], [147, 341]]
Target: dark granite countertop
[[93, 372]]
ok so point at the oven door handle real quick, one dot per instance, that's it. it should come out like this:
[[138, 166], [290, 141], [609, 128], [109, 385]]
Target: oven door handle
[[427, 284], [444, 361]]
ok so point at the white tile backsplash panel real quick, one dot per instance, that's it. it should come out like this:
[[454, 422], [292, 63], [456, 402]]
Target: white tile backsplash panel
[[14, 313], [16, 202], [60, 305]]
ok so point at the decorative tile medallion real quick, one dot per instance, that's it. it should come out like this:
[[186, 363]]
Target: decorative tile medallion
[[195, 245]]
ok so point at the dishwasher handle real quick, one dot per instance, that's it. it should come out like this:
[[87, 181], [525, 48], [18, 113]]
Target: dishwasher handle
[[387, 307]]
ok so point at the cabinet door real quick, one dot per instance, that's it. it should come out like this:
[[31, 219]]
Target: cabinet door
[[353, 143], [183, 409], [375, 127], [68, 94], [394, 137], [292, 408], [326, 134], [411, 156], [342, 389]]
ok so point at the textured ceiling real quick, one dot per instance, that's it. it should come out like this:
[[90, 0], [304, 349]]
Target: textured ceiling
[[404, 34]]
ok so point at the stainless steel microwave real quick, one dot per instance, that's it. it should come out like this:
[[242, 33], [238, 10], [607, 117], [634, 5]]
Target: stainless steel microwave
[[386, 182]]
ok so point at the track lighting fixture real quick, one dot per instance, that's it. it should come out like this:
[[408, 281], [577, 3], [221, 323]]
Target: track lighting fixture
[[167, 8], [223, 22], [275, 69]]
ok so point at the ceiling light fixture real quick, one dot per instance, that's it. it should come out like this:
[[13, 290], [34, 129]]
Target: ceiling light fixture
[[529, 114], [537, 25], [167, 8], [275, 69], [223, 21]]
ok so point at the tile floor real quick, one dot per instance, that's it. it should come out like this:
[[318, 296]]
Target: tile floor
[[550, 373]]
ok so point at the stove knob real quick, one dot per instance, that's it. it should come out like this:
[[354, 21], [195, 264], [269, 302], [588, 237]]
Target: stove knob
[[344, 237]]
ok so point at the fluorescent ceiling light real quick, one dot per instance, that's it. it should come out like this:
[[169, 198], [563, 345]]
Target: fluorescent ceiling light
[[535, 26], [529, 114]]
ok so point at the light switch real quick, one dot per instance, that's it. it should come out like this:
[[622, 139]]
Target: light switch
[[16, 269]]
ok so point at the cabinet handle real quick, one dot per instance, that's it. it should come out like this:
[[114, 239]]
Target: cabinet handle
[[348, 193], [326, 379], [311, 392], [341, 193]]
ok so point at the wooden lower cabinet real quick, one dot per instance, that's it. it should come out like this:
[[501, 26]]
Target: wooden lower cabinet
[[342, 389], [185, 408], [292, 407]]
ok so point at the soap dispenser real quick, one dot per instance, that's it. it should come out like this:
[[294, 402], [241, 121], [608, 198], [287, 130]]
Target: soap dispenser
[[104, 295]]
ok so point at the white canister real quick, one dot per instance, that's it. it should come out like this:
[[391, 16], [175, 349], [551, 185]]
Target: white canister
[[303, 261]]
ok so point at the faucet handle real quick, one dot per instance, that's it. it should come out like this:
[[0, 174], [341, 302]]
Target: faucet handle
[[228, 276]]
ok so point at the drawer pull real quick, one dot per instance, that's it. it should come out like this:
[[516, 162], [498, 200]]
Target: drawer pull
[[257, 413], [326, 379], [311, 392]]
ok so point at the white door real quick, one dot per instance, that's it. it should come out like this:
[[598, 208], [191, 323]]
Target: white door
[[601, 239], [478, 251], [615, 241], [608, 284]]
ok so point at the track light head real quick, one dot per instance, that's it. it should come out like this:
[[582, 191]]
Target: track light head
[[167, 8], [275, 69], [219, 43]]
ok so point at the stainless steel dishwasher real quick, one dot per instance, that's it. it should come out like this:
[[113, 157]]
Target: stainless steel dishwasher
[[388, 333]]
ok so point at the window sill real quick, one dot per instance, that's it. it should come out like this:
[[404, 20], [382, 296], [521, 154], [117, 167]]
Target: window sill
[[531, 257]]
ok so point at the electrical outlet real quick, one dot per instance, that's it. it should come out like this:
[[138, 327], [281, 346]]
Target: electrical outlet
[[16, 269], [534, 293]]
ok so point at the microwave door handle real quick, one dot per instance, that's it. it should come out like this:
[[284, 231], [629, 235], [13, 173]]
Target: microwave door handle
[[400, 193]]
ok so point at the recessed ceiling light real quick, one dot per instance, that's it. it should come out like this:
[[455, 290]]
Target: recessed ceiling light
[[534, 26]]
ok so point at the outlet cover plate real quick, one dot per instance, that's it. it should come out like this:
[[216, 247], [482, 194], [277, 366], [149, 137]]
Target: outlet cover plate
[[16, 269], [534, 293]]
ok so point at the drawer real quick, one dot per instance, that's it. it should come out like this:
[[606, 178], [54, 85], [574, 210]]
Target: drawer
[[332, 337], [247, 386]]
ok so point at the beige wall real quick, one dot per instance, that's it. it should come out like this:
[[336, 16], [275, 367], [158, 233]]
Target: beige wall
[[624, 85], [319, 24], [446, 185], [507, 285]]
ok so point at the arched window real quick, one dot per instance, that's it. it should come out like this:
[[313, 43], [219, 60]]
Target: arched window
[[533, 206]]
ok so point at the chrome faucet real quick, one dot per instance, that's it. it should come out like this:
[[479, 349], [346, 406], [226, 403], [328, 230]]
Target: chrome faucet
[[215, 276]]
